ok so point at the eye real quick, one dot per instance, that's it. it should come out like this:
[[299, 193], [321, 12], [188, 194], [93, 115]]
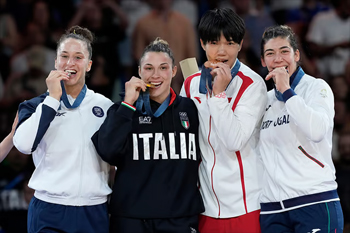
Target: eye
[[213, 42], [64, 56], [163, 67], [148, 68], [285, 51], [268, 54], [231, 43]]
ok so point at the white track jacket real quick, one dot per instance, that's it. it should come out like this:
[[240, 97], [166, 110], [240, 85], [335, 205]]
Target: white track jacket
[[295, 145], [68, 169], [229, 130]]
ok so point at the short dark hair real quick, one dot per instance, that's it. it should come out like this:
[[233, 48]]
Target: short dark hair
[[221, 20], [281, 31], [158, 45], [79, 33]]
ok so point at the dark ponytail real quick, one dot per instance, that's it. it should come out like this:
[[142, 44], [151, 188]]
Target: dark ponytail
[[79, 33]]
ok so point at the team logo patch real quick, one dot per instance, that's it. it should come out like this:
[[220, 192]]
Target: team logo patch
[[145, 120], [323, 93], [184, 120], [98, 111]]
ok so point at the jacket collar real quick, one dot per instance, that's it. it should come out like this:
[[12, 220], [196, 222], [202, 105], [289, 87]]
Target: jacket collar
[[205, 83], [293, 82]]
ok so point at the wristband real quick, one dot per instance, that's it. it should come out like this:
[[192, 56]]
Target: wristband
[[221, 95]]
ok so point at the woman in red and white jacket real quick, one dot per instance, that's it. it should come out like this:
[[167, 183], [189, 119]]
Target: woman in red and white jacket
[[230, 99]]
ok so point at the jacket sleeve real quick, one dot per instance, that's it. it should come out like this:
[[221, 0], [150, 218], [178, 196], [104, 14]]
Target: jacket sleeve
[[111, 140], [34, 118], [314, 114], [236, 121]]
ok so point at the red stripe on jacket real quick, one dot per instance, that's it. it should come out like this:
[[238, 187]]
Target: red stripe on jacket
[[187, 83], [247, 81]]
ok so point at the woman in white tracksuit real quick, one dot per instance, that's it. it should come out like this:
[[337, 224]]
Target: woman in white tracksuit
[[70, 179], [299, 188]]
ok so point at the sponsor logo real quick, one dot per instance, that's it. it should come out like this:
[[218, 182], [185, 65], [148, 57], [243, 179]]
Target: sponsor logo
[[184, 120], [98, 111], [193, 230], [60, 113], [315, 230], [145, 120], [199, 99]]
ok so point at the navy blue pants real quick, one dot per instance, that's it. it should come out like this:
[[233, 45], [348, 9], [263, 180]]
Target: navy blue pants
[[49, 218], [321, 218], [168, 225]]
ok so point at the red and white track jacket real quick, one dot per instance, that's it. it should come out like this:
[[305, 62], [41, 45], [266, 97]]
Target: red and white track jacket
[[229, 129]]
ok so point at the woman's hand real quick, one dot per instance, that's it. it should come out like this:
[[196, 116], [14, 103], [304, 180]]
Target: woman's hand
[[280, 77], [14, 124], [222, 76], [133, 88], [53, 82]]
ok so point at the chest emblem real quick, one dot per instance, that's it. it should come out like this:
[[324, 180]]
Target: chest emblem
[[98, 111], [184, 120]]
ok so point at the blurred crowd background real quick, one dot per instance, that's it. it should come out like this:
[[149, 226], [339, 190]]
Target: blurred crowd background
[[29, 30]]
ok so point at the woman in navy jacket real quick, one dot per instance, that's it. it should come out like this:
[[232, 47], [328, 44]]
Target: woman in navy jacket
[[152, 138]]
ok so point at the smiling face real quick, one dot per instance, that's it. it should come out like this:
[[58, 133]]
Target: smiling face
[[279, 53], [157, 68], [222, 50], [73, 58]]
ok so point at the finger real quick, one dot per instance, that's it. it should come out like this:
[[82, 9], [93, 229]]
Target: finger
[[63, 77], [144, 87], [133, 78], [281, 70], [222, 65], [58, 72], [133, 84], [218, 74], [141, 85], [58, 75], [221, 72], [213, 73], [269, 76]]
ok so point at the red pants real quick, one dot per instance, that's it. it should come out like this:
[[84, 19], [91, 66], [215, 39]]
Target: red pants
[[247, 223]]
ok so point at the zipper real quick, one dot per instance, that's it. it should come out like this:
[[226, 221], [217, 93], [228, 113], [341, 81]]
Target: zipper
[[212, 169], [310, 157], [81, 161], [240, 163], [276, 160]]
